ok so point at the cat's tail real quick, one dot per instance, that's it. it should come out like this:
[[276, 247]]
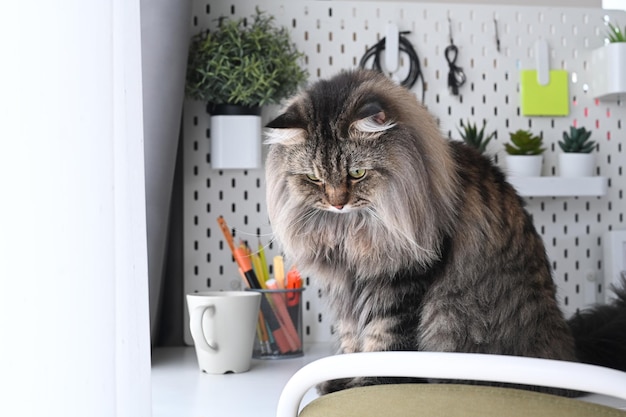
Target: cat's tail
[[600, 332]]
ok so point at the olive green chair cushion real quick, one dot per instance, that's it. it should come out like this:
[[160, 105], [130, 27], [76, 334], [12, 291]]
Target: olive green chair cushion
[[449, 400]]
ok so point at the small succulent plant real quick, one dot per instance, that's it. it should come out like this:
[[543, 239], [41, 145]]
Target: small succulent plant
[[474, 137], [523, 142], [577, 141]]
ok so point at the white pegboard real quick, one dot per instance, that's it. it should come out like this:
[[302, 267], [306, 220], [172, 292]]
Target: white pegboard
[[334, 35]]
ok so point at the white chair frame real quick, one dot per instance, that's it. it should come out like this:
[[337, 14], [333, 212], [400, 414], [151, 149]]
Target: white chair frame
[[457, 366]]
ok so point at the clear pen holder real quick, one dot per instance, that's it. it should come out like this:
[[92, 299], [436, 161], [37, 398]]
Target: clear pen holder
[[279, 328]]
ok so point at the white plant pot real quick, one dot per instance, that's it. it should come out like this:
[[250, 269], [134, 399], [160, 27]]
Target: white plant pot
[[575, 165], [524, 165], [235, 138], [608, 78]]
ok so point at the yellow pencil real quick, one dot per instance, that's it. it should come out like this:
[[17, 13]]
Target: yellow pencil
[[279, 271], [264, 266], [258, 269]]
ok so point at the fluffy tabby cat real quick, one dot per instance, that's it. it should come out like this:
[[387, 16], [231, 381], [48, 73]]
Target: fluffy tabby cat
[[419, 243]]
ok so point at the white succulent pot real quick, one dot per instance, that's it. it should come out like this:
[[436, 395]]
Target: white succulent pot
[[608, 78], [576, 165], [235, 137], [524, 165]]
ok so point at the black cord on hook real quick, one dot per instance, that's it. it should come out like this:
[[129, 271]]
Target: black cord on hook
[[415, 70], [456, 76]]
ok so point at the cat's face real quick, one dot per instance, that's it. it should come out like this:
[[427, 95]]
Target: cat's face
[[334, 153]]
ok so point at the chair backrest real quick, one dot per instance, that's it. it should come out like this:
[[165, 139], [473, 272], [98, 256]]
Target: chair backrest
[[453, 366]]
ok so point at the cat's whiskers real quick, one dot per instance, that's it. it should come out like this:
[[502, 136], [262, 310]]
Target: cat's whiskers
[[301, 223], [259, 235]]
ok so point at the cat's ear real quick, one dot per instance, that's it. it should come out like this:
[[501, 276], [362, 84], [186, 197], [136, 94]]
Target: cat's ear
[[287, 120], [286, 129], [372, 118]]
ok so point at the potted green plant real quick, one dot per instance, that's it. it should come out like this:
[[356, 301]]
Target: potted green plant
[[474, 137], [608, 79], [577, 159], [524, 154], [235, 69]]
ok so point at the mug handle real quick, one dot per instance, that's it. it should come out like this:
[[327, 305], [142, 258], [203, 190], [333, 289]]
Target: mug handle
[[195, 325]]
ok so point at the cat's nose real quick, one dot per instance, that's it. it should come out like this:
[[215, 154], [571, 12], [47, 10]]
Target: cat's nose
[[337, 196]]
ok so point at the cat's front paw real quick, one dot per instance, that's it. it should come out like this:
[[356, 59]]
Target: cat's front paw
[[333, 385], [340, 384]]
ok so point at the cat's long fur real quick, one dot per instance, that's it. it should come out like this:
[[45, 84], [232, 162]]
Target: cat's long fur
[[430, 250]]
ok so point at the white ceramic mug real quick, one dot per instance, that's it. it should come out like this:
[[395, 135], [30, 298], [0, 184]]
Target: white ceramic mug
[[223, 326]]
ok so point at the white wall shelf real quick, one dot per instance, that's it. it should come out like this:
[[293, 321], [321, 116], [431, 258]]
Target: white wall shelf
[[560, 186]]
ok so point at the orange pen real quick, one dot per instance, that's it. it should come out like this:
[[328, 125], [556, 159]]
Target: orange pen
[[294, 282]]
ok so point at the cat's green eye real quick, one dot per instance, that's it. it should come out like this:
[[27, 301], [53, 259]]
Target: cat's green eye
[[357, 173], [313, 177]]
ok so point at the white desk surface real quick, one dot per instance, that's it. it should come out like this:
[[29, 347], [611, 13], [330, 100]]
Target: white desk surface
[[180, 389]]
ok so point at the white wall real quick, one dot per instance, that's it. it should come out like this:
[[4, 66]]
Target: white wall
[[73, 276]]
